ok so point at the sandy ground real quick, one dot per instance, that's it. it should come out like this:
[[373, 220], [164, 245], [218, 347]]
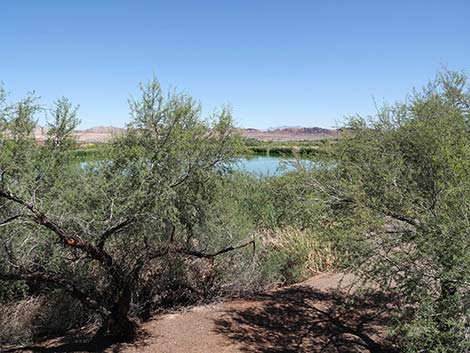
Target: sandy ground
[[313, 316]]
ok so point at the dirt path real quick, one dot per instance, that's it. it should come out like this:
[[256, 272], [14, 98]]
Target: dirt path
[[308, 317]]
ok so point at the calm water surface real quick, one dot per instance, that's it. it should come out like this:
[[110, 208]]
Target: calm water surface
[[260, 165], [263, 165]]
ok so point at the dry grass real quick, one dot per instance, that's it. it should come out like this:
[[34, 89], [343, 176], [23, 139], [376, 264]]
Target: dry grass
[[298, 253], [23, 321]]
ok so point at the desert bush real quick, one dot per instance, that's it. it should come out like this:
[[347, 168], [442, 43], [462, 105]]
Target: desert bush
[[276, 201], [92, 230], [399, 205]]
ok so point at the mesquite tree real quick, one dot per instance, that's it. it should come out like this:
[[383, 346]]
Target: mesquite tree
[[91, 229], [399, 197]]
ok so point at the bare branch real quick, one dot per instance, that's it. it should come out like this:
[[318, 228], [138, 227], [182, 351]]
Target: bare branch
[[11, 219], [70, 240], [402, 218], [114, 229], [200, 254]]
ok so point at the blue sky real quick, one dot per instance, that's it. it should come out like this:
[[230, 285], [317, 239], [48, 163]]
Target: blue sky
[[294, 62]]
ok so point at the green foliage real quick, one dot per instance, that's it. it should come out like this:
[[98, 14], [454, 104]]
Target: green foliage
[[277, 201], [97, 230], [65, 121], [286, 215], [399, 203], [318, 149]]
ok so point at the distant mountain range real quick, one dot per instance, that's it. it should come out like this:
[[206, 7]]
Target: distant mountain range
[[284, 133]]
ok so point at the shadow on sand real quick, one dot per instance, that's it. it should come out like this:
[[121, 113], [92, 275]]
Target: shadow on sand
[[302, 319]]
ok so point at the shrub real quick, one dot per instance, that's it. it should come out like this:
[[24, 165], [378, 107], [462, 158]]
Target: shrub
[[399, 200], [92, 230]]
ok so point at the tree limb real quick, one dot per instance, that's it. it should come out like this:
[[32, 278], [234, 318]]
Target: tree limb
[[70, 240], [402, 218], [8, 220], [114, 229], [200, 254]]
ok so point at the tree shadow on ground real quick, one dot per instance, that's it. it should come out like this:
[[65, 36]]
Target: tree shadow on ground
[[302, 319]]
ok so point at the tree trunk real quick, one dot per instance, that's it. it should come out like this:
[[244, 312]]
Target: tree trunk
[[118, 325]]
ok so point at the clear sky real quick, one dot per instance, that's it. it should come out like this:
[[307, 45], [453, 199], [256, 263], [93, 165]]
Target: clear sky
[[288, 62]]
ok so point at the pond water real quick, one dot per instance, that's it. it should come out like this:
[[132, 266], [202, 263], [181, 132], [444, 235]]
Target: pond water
[[264, 165], [259, 165]]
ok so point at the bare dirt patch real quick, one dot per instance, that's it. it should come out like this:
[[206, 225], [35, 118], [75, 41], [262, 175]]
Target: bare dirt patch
[[313, 316]]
